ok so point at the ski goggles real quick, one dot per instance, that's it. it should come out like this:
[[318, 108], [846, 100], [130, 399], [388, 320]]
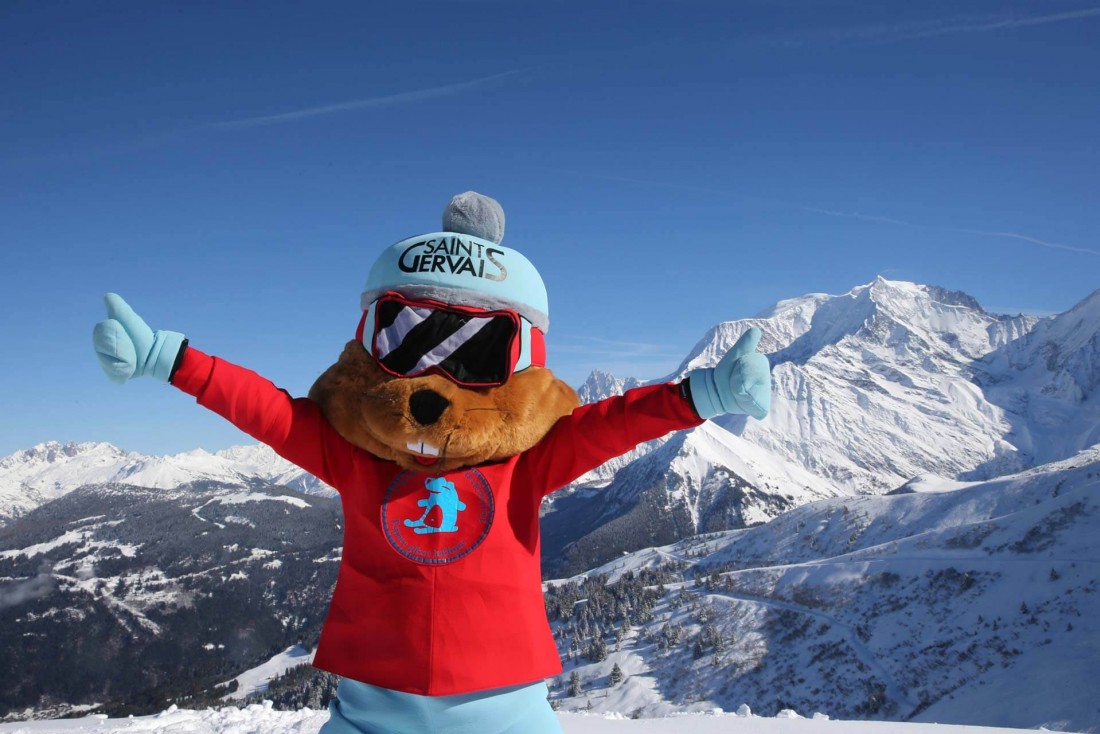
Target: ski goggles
[[472, 347]]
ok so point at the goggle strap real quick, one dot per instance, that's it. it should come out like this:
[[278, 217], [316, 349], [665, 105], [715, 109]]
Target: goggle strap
[[362, 325], [538, 347]]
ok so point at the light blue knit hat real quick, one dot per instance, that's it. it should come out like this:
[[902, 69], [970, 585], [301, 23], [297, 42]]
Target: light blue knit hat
[[463, 265]]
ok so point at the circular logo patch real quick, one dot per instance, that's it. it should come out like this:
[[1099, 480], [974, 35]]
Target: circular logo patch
[[437, 519]]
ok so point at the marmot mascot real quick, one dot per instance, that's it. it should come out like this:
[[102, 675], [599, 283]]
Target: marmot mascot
[[442, 430]]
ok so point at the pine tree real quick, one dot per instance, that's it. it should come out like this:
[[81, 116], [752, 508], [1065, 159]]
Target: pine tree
[[616, 676], [597, 651], [575, 688]]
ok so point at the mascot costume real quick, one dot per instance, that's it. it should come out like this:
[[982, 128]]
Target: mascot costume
[[443, 430]]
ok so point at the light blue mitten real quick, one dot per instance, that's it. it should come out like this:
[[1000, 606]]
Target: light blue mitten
[[740, 383], [128, 348]]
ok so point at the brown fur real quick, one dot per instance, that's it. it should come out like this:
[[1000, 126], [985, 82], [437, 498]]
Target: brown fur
[[370, 408]]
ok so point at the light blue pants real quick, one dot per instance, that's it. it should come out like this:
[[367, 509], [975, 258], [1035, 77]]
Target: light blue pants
[[359, 708]]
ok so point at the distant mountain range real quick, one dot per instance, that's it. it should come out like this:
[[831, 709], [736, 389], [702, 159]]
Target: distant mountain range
[[928, 471], [889, 381], [48, 471]]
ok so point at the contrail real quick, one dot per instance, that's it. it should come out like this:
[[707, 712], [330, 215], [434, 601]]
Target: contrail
[[958, 230], [848, 215], [388, 100], [1010, 22], [907, 30]]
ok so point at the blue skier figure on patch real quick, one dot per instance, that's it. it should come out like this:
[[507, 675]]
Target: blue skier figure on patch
[[442, 495]]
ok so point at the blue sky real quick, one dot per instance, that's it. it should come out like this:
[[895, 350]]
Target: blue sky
[[233, 169]]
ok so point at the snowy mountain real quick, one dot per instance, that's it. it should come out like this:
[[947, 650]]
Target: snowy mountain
[[1049, 384], [601, 384], [882, 383], [909, 535], [889, 381], [942, 601], [47, 471], [965, 604]]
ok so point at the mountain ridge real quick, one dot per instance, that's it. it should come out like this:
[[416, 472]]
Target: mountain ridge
[[889, 381], [49, 470]]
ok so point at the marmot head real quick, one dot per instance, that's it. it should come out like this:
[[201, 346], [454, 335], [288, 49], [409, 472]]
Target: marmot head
[[447, 367]]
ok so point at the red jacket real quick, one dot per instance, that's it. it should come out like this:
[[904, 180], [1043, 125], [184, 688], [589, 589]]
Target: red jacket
[[440, 588]]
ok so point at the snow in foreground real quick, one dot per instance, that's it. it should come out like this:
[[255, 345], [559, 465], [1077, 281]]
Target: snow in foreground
[[265, 720]]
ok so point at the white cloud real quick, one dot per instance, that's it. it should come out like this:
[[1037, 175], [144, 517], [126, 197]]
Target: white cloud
[[22, 591]]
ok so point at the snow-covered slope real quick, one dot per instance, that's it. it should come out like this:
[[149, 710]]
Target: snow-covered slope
[[47, 471], [256, 680], [1049, 384], [963, 603], [944, 601], [694, 481], [259, 719]]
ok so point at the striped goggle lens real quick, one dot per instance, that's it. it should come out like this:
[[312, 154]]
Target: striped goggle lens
[[471, 347]]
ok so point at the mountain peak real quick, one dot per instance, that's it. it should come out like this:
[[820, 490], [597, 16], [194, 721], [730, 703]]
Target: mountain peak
[[881, 311], [600, 385], [883, 290], [1086, 310], [881, 283]]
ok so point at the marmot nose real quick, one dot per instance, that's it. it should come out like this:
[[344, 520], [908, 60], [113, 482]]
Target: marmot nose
[[426, 406]]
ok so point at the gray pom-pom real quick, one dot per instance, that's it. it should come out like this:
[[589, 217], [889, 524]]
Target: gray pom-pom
[[475, 214]]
